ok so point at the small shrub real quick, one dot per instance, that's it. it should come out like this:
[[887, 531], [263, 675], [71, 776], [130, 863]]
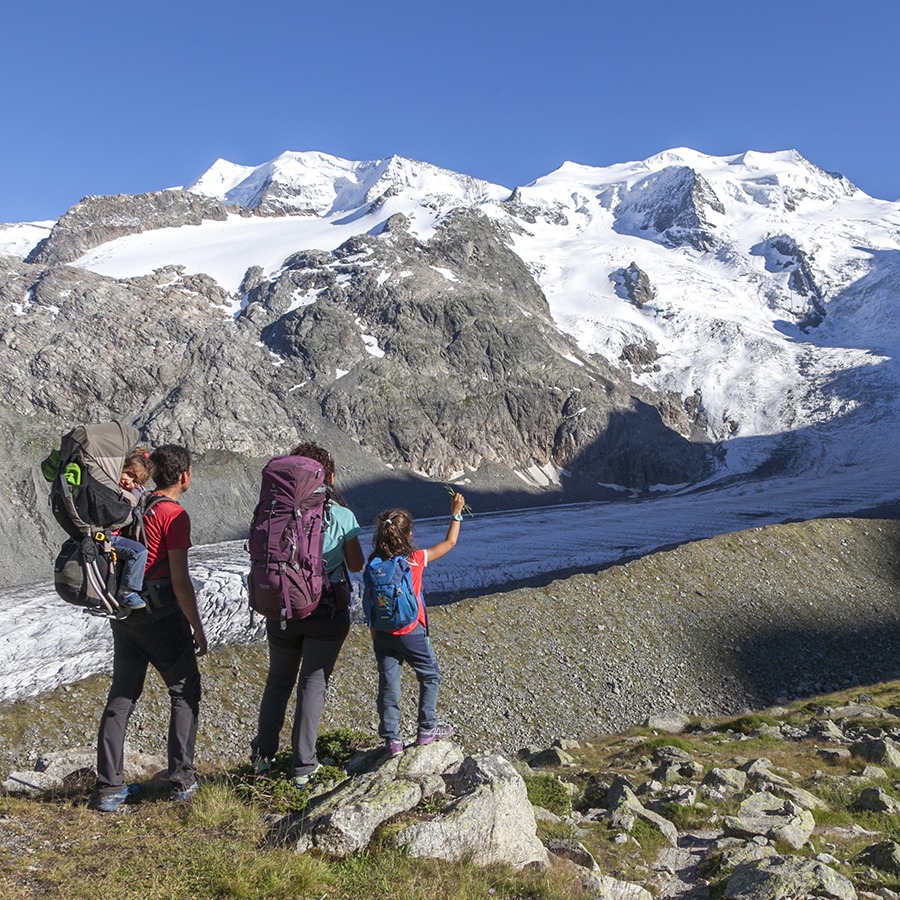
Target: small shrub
[[681, 816], [550, 793], [748, 723], [655, 743], [340, 744]]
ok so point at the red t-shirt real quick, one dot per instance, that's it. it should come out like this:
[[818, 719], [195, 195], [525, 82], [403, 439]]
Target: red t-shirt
[[167, 526], [418, 561]]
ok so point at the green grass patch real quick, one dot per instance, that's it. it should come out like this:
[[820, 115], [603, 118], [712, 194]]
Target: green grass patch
[[549, 792]]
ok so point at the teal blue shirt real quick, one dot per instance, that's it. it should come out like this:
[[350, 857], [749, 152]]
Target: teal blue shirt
[[340, 526]]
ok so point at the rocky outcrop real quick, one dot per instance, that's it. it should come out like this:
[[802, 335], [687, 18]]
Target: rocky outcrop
[[633, 284], [674, 204], [485, 817], [780, 878], [96, 220], [436, 358]]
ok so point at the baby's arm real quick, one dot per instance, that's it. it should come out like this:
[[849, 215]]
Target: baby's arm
[[457, 502]]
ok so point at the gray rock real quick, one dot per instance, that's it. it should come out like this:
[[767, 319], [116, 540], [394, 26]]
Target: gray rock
[[726, 780], [787, 878], [876, 799], [344, 820], [493, 823], [625, 808], [733, 857], [552, 757], [768, 816], [826, 730], [96, 220], [882, 751], [884, 856], [833, 754], [803, 798], [593, 881], [632, 283], [31, 783], [54, 771]]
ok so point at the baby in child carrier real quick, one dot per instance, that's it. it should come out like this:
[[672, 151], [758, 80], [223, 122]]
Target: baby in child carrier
[[136, 471]]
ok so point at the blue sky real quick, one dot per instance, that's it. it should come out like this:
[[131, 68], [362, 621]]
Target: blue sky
[[113, 97]]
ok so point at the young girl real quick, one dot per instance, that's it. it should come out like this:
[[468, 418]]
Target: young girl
[[136, 471], [394, 537]]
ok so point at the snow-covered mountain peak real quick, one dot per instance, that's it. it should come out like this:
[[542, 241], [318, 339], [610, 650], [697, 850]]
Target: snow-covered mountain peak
[[317, 183], [219, 178]]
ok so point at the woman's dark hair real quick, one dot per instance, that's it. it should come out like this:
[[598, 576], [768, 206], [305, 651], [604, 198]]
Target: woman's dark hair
[[393, 534], [170, 462], [311, 450]]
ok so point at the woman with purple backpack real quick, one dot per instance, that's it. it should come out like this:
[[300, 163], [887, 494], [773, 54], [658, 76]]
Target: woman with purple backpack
[[308, 647]]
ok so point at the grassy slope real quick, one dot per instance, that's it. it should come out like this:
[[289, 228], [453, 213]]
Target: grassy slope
[[744, 619]]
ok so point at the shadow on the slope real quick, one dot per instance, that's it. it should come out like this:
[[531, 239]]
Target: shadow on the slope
[[783, 665], [854, 318]]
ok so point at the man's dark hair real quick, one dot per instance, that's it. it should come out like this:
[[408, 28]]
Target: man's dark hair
[[170, 462]]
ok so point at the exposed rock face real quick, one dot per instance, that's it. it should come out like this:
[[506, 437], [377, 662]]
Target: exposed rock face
[[633, 283], [96, 220], [437, 357], [802, 281], [675, 203], [492, 822], [768, 816]]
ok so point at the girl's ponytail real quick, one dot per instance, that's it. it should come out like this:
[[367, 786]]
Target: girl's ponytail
[[393, 534]]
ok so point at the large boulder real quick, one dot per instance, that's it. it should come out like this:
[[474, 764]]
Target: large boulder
[[343, 821], [768, 816], [787, 878], [492, 822]]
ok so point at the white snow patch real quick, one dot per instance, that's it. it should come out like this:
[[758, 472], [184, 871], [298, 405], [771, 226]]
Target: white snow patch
[[301, 298], [371, 343], [446, 273], [20, 238]]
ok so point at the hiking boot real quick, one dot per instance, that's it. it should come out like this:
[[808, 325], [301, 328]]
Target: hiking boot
[[131, 793], [262, 765], [393, 748], [430, 735], [132, 600], [180, 793], [301, 781]]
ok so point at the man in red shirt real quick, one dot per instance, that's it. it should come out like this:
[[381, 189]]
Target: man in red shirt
[[167, 635]]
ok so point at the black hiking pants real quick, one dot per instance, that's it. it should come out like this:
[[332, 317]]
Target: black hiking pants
[[167, 644]]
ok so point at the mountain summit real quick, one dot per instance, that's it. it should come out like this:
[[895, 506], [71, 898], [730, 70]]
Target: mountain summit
[[600, 332]]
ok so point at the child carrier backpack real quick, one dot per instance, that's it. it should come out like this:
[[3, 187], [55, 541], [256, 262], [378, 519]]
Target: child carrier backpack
[[389, 600], [287, 571], [88, 503]]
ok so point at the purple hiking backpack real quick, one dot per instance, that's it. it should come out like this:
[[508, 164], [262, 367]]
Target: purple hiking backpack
[[287, 573]]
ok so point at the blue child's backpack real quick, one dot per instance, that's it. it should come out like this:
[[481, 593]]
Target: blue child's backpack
[[389, 600]]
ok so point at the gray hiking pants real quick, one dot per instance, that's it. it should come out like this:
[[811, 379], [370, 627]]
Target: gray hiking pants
[[167, 644], [310, 648]]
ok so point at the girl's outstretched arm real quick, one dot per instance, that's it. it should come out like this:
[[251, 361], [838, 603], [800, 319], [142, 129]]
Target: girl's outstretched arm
[[457, 502]]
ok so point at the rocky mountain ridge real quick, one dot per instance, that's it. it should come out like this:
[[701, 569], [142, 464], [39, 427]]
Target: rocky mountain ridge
[[597, 333]]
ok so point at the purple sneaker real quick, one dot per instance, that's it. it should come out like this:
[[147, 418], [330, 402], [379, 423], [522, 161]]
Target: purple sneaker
[[393, 748], [430, 735]]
